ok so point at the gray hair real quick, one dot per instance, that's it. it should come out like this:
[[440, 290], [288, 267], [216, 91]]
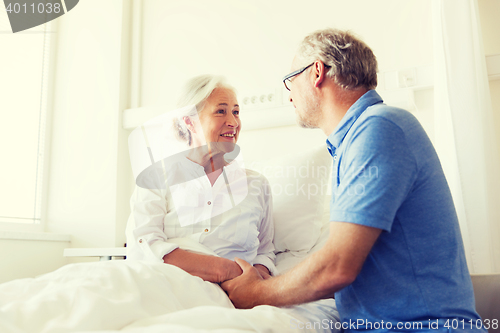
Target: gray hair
[[352, 63], [196, 92]]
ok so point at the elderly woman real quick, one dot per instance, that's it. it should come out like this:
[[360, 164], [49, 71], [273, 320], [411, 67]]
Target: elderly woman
[[207, 199]]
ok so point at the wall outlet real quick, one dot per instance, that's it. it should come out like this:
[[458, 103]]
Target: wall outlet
[[261, 99], [407, 78]]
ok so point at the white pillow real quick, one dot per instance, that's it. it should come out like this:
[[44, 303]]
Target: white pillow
[[300, 187]]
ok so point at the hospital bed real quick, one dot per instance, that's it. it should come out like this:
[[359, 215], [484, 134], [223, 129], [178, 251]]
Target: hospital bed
[[118, 295]]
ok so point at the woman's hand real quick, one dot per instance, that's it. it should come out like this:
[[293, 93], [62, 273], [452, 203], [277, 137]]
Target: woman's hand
[[263, 271], [230, 270]]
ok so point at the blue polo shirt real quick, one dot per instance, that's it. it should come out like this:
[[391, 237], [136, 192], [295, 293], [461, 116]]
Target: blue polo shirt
[[387, 175]]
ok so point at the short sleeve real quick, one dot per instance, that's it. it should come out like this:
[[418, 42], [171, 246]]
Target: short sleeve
[[377, 171]]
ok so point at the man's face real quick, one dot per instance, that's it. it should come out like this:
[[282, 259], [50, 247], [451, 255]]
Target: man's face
[[303, 96]]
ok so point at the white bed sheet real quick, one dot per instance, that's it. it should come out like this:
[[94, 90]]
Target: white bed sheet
[[321, 315], [127, 296]]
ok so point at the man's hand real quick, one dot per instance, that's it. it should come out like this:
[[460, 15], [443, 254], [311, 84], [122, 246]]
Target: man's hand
[[319, 276], [242, 290]]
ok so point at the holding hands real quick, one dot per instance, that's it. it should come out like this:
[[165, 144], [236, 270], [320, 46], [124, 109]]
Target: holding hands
[[242, 288]]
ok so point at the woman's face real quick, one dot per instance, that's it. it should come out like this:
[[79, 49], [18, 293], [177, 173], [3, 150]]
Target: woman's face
[[220, 120]]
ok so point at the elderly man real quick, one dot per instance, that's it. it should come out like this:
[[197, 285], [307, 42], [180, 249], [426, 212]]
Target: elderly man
[[395, 255]]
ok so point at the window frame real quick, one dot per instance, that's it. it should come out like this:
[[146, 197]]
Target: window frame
[[45, 126]]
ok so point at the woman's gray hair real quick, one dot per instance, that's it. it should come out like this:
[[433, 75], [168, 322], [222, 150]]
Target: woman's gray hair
[[196, 92], [352, 63]]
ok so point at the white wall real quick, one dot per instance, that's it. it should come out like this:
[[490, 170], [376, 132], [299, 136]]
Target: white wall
[[85, 194], [253, 44], [89, 170], [28, 258], [489, 12], [490, 25]]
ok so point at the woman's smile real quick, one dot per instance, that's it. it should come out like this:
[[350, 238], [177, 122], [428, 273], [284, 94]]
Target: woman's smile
[[229, 136]]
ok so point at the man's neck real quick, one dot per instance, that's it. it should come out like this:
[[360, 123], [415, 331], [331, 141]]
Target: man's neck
[[337, 104]]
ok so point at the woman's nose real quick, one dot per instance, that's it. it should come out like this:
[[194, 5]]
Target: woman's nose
[[231, 121]]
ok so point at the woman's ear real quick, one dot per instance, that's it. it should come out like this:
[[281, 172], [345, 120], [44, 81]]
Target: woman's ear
[[189, 123]]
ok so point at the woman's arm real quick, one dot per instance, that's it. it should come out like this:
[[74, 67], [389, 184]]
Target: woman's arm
[[263, 271], [209, 268], [146, 239]]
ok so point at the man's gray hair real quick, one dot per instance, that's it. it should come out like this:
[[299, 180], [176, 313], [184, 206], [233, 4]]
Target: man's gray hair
[[196, 92], [352, 63]]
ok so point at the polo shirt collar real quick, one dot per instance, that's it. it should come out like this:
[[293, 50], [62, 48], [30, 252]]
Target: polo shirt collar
[[371, 97]]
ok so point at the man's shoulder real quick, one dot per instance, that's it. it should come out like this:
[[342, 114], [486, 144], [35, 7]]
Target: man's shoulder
[[385, 130], [386, 113], [385, 122]]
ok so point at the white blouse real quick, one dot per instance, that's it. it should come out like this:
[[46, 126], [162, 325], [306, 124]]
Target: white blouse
[[233, 217]]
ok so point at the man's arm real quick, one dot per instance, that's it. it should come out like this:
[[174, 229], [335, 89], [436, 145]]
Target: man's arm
[[330, 269]]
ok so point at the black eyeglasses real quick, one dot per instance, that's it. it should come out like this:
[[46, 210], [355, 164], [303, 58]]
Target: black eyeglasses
[[287, 79]]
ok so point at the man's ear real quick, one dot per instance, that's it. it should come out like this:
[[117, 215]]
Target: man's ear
[[319, 72]]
